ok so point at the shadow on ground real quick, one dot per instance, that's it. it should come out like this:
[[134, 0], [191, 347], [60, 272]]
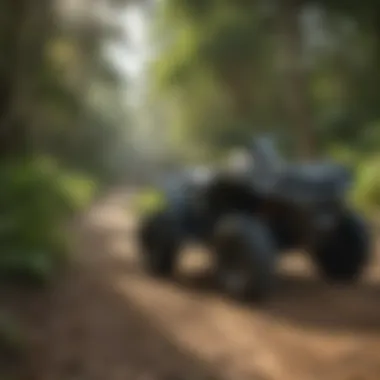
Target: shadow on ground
[[89, 331], [95, 333], [300, 299], [309, 302]]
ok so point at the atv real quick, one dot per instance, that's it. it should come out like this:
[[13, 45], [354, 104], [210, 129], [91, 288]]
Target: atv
[[248, 217]]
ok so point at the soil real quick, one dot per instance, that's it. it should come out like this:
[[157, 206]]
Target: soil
[[107, 320]]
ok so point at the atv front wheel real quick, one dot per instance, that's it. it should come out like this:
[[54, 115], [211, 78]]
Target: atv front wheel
[[345, 253], [159, 242], [245, 257]]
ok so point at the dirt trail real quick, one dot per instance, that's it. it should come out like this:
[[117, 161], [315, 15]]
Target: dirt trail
[[109, 321]]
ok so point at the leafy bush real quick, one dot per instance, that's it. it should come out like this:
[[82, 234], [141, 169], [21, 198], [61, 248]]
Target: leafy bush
[[366, 191], [36, 199], [345, 155], [148, 200]]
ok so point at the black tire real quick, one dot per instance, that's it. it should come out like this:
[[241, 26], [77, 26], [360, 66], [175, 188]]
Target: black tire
[[245, 252], [343, 256], [159, 241]]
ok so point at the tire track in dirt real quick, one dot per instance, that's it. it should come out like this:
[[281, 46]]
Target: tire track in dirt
[[185, 330]]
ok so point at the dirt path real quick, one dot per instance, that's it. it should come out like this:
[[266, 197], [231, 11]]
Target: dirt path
[[109, 321]]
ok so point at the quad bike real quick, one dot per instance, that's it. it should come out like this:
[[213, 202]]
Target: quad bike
[[249, 217]]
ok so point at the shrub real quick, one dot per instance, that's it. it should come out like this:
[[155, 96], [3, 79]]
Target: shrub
[[36, 199], [366, 190], [148, 200]]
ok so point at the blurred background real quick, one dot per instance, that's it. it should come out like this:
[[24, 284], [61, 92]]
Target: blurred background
[[104, 94]]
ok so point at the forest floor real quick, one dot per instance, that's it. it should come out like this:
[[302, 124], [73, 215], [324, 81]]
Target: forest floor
[[107, 320]]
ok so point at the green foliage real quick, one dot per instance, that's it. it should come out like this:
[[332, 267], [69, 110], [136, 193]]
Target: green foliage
[[60, 94], [37, 198], [181, 62], [231, 43], [366, 192], [242, 48], [217, 36], [345, 155], [149, 200], [216, 69]]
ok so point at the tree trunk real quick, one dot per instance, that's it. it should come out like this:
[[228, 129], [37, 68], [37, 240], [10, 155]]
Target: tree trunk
[[18, 83], [9, 128], [296, 91], [237, 81]]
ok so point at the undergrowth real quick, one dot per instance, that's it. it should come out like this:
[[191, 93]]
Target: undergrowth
[[37, 199]]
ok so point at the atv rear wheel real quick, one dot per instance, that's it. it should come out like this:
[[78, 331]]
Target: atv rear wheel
[[344, 255], [245, 257]]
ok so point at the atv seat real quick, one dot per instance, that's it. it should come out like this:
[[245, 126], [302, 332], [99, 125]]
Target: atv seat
[[272, 176]]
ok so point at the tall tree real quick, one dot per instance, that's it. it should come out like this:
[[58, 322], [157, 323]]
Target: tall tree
[[296, 86]]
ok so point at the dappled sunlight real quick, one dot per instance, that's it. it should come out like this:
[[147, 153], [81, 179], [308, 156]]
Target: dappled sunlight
[[118, 112], [231, 339]]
